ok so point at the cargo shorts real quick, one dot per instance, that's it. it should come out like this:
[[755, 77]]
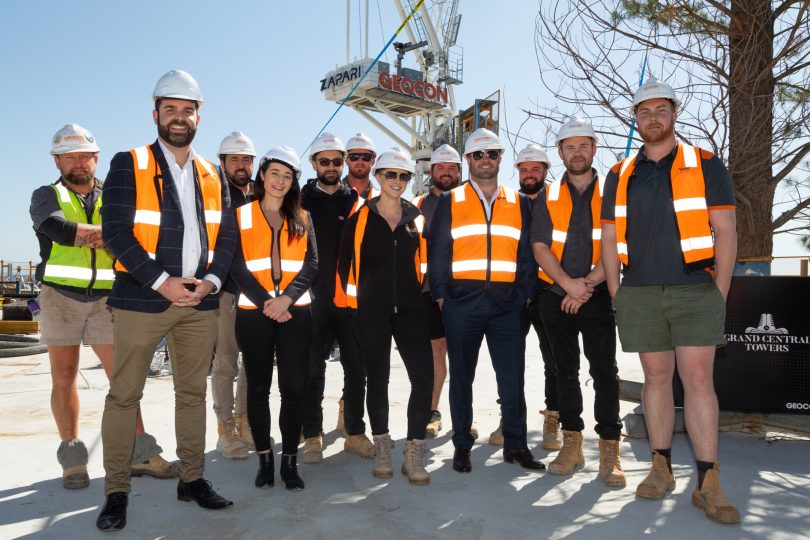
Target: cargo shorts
[[655, 318], [66, 321]]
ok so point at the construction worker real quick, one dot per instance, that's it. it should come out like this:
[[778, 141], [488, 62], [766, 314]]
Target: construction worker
[[169, 223], [673, 230], [236, 154], [274, 265], [533, 164], [380, 268], [445, 173], [360, 158], [330, 202], [482, 274], [76, 275], [574, 301]]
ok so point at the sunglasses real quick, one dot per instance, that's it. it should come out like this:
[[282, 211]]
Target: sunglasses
[[402, 177], [356, 157], [324, 162], [492, 155]]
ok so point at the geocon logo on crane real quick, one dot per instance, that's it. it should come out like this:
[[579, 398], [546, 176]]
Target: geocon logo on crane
[[380, 78]]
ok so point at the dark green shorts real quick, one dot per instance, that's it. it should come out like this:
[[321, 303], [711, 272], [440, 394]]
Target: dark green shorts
[[661, 317]]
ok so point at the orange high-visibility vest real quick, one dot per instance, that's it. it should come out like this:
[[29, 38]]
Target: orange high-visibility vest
[[689, 204], [354, 271], [472, 235], [560, 205], [257, 248], [146, 226]]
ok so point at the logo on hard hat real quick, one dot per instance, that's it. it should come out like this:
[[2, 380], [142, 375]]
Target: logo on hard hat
[[481, 138], [57, 139], [89, 138], [73, 138]]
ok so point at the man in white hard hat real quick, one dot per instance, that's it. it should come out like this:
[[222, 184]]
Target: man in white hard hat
[[482, 274], [330, 202], [76, 275], [168, 221], [673, 230], [445, 174], [360, 158], [532, 164], [574, 302], [236, 155]]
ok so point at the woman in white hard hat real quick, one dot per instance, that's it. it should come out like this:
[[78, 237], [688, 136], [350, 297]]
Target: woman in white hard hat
[[380, 266], [274, 267]]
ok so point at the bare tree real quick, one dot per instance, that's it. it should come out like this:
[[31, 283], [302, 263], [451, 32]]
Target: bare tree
[[742, 69]]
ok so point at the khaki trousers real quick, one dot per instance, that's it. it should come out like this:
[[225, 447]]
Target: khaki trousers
[[191, 336], [226, 365]]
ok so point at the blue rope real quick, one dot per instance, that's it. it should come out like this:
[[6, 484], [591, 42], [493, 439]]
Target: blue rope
[[633, 121]]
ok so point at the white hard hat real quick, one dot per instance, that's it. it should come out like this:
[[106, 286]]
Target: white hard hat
[[178, 84], [653, 89], [73, 138], [445, 154], [326, 141], [576, 126], [395, 158], [237, 143], [532, 152], [286, 155], [482, 139], [360, 141]]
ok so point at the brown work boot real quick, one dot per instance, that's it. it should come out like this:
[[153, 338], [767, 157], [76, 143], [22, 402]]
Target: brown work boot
[[496, 437], [243, 430], [711, 498], [382, 457], [313, 449], [659, 481], [72, 455], [434, 425], [414, 465], [156, 467], [360, 445], [341, 423], [229, 444], [570, 457], [610, 464], [552, 437]]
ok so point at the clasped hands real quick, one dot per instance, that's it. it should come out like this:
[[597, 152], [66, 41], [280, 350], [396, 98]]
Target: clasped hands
[[185, 292], [578, 291]]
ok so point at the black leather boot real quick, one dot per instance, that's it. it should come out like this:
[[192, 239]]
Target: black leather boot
[[289, 472], [264, 478]]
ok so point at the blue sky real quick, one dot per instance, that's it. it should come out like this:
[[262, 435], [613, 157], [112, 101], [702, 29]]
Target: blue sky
[[258, 63]]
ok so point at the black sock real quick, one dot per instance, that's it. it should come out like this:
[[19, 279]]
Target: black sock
[[703, 467], [667, 453]]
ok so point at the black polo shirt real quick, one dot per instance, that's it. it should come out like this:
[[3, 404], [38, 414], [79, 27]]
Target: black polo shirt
[[653, 240]]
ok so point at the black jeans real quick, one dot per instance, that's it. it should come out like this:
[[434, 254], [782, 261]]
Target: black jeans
[[328, 324], [595, 322], [410, 331], [549, 369], [259, 339]]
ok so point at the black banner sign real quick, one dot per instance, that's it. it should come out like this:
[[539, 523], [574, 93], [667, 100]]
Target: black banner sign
[[766, 365]]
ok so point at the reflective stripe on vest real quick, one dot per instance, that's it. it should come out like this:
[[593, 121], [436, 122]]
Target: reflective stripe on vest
[[560, 206], [78, 266], [688, 203], [146, 224], [257, 248], [471, 234]]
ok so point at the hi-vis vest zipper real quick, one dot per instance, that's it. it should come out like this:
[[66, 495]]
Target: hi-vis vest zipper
[[149, 193]]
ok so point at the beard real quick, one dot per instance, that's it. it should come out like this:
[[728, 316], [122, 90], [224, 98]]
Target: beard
[[178, 140], [329, 178], [579, 167], [531, 187], [480, 174], [237, 179], [656, 136], [445, 182], [78, 177]]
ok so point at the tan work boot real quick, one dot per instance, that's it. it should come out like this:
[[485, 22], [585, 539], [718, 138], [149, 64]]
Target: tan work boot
[[360, 445], [414, 465], [570, 457], [313, 449], [711, 498], [552, 436], [229, 444], [156, 467], [496, 437], [610, 464], [72, 456], [659, 481], [243, 430], [434, 425], [382, 457], [341, 423]]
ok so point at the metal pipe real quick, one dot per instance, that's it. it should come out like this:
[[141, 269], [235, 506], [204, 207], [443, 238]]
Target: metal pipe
[[366, 51], [348, 27]]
